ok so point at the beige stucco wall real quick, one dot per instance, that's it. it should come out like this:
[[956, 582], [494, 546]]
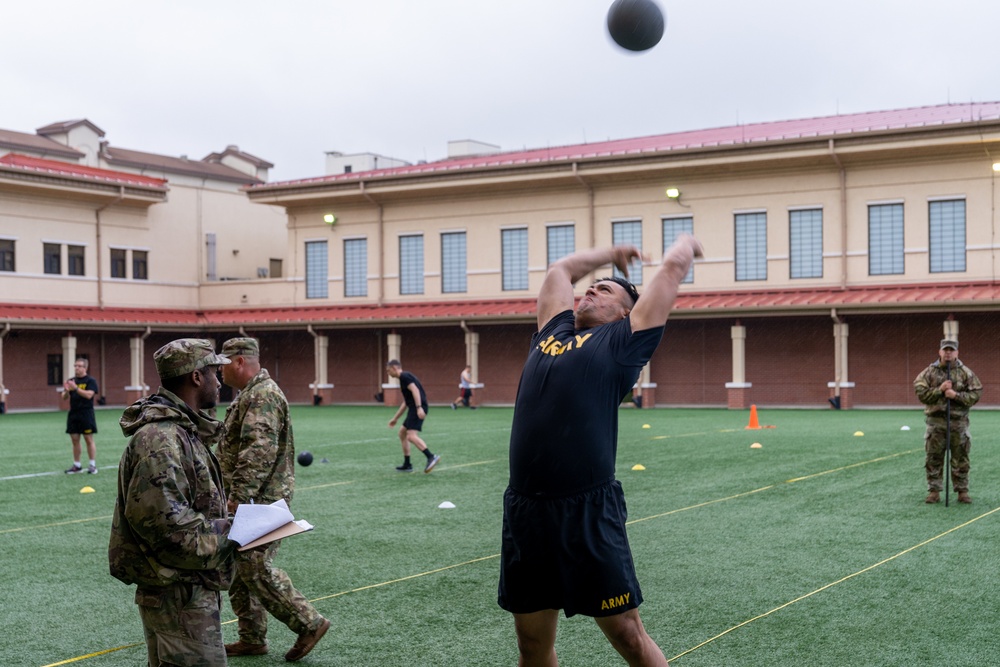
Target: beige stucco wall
[[172, 233], [711, 199]]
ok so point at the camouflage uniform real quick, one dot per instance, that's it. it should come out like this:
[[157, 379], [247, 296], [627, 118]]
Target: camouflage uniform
[[168, 534], [969, 388], [257, 455]]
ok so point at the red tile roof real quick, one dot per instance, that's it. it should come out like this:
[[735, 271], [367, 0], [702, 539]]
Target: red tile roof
[[752, 133], [743, 303], [875, 298], [55, 168]]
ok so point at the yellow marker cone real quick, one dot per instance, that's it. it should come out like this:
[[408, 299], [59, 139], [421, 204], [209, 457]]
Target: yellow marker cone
[[87, 489], [858, 433], [638, 466], [646, 426], [756, 445]]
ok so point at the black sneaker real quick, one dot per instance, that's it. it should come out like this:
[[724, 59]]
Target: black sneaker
[[454, 407], [73, 469], [431, 462], [404, 468], [92, 470]]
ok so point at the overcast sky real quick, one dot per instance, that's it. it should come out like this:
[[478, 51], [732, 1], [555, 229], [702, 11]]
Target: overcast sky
[[289, 80]]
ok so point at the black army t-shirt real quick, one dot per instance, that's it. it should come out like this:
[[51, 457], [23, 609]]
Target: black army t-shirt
[[79, 404], [564, 437], [405, 380]]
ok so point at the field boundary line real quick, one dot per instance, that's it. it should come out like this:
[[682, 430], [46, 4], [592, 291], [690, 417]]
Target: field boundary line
[[92, 655], [770, 486], [401, 579], [838, 581]]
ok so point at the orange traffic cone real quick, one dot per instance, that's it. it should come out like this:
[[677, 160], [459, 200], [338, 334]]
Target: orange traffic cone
[[753, 418]]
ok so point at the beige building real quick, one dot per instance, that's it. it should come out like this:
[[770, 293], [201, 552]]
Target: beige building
[[839, 250]]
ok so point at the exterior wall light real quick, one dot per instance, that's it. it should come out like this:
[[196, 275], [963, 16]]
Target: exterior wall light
[[330, 219], [673, 193]]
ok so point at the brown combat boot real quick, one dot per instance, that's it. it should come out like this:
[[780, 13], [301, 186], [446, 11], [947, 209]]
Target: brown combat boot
[[245, 648], [933, 497], [964, 497], [306, 641]]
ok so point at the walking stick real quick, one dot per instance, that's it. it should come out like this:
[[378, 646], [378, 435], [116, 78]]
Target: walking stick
[[947, 445]]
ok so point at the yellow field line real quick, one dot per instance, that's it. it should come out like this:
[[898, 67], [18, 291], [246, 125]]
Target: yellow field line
[[473, 463], [834, 583], [92, 655], [406, 578], [688, 435], [770, 486], [323, 486], [854, 465]]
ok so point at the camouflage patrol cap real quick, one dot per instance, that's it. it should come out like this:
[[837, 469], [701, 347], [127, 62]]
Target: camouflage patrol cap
[[182, 356], [233, 347], [948, 342]]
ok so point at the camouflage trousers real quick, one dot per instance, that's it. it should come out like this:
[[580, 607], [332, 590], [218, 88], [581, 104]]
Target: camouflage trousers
[[181, 625], [259, 588], [935, 439]]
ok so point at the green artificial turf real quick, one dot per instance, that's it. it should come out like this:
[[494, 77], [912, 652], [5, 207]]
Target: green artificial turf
[[815, 549]]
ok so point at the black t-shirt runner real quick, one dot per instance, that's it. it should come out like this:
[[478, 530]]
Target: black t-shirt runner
[[405, 380], [564, 438]]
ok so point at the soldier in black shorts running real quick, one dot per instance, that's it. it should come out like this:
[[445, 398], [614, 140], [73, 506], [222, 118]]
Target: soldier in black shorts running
[[564, 542]]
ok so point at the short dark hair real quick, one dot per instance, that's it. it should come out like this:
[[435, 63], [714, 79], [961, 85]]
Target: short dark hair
[[394, 362], [626, 285]]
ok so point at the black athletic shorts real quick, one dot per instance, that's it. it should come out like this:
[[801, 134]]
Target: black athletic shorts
[[413, 422], [568, 553], [81, 422]]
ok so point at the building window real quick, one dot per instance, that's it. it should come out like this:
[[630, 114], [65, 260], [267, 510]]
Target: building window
[[561, 241], [411, 264], [52, 253], [74, 260], [355, 267], [805, 240], [316, 270], [947, 235], [514, 250], [117, 262], [453, 262], [672, 228], [274, 268], [53, 370], [6, 255], [885, 239], [751, 246], [140, 265], [629, 233]]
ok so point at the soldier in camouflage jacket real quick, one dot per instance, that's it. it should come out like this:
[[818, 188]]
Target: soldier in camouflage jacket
[[947, 387], [257, 454], [168, 533]]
